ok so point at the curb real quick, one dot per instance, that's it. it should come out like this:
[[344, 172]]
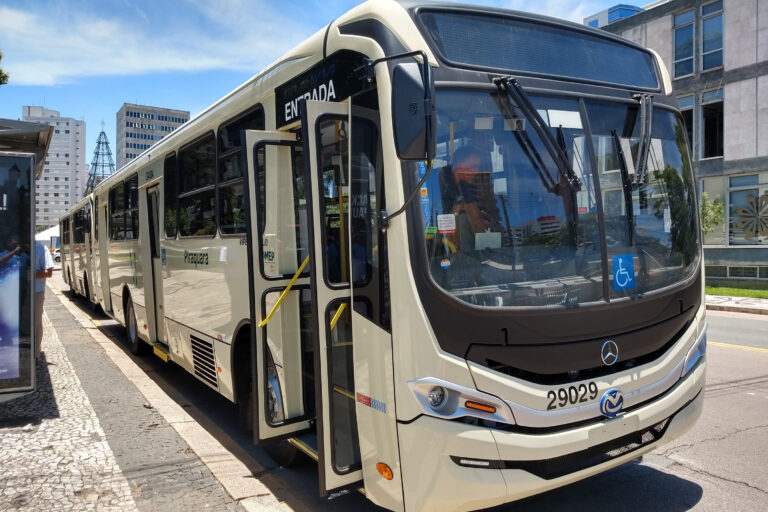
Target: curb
[[753, 310]]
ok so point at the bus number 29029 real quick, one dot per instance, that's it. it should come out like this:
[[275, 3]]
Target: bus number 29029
[[571, 395]]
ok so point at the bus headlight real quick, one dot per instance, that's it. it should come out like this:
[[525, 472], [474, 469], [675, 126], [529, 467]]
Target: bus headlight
[[697, 351], [450, 401]]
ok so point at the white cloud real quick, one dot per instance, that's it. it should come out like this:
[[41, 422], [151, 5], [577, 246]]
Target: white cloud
[[40, 49]]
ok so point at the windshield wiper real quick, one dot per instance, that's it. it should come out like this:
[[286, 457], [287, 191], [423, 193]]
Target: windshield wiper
[[513, 89], [627, 186], [525, 143], [646, 111]]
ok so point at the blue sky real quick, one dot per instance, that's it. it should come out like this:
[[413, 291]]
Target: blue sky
[[85, 58]]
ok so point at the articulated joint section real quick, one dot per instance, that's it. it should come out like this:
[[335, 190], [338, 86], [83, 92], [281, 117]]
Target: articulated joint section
[[450, 401]]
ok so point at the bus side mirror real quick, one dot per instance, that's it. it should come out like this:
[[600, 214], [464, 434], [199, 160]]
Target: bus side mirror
[[413, 115]]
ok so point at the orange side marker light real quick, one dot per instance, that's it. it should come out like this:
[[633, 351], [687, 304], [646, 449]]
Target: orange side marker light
[[384, 470], [480, 407]]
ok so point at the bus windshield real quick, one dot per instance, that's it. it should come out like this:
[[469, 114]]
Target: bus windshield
[[504, 226]]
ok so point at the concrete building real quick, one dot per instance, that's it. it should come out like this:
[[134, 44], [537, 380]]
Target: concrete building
[[140, 126], [65, 172], [717, 55]]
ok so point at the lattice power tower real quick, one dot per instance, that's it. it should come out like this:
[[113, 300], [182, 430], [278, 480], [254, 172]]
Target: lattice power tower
[[102, 164]]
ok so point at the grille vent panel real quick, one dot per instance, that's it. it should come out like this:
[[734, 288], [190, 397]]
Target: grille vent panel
[[204, 361]]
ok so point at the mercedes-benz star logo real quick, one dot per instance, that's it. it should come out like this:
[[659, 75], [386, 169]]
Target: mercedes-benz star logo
[[611, 403], [609, 353]]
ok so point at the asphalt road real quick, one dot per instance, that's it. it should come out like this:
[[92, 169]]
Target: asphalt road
[[718, 465]]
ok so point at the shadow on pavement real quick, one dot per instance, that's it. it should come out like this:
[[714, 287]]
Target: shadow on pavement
[[35, 407]]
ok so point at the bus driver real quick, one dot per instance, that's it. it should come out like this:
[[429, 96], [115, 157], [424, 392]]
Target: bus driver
[[474, 205]]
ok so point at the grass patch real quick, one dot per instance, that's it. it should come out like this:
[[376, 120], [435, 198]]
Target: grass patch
[[737, 292]]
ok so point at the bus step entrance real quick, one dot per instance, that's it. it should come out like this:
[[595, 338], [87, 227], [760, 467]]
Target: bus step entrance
[[161, 350], [307, 443]]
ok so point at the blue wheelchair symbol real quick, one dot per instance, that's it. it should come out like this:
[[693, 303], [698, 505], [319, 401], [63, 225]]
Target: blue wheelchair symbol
[[623, 272]]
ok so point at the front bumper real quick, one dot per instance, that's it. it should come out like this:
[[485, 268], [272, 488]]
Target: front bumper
[[433, 449]]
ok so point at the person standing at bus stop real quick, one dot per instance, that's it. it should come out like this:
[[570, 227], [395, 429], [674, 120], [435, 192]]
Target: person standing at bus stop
[[43, 270]]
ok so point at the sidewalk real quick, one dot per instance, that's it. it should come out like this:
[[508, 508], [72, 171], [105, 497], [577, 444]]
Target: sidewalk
[[95, 436], [737, 304]]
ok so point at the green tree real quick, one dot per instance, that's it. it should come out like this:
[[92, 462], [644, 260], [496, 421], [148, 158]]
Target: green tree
[[712, 213], [3, 74]]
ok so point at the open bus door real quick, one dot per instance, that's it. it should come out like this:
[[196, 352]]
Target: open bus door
[[326, 137], [282, 396]]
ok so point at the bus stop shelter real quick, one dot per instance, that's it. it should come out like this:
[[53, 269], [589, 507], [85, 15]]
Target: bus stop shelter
[[23, 147]]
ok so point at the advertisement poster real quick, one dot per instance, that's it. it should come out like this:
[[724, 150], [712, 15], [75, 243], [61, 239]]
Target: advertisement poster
[[15, 271]]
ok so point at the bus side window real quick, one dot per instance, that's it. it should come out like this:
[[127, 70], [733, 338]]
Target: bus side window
[[170, 195], [231, 204], [197, 191], [132, 208], [116, 207]]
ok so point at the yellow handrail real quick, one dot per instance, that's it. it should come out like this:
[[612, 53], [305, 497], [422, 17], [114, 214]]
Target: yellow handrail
[[285, 292], [338, 314]]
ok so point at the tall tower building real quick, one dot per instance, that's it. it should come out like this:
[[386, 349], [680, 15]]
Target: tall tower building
[[65, 172], [140, 126]]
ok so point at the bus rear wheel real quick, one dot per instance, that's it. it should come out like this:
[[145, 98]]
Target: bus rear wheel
[[132, 329]]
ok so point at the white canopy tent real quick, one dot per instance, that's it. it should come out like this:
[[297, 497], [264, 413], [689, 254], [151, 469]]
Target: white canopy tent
[[49, 237]]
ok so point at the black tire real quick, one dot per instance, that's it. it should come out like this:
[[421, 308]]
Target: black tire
[[137, 346], [94, 306], [245, 407], [285, 454]]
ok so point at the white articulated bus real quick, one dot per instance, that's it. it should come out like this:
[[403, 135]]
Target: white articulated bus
[[450, 252]]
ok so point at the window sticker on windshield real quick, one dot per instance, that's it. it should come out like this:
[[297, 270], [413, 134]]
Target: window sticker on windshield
[[426, 207], [422, 169], [623, 272], [445, 263], [446, 224], [667, 220]]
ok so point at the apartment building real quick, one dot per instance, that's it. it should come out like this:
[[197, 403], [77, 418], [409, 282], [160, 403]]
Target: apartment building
[[140, 126], [65, 172]]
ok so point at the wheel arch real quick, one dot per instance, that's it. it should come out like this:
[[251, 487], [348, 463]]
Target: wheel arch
[[241, 354]]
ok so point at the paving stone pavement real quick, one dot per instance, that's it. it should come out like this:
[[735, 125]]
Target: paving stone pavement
[[54, 454], [88, 440]]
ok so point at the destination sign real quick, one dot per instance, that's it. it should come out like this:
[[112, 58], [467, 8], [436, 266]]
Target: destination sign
[[333, 79]]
